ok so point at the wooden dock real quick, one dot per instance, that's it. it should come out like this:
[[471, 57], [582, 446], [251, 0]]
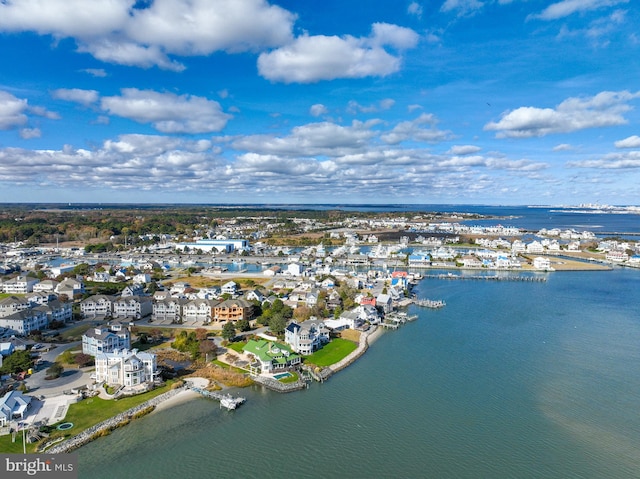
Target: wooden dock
[[430, 303], [226, 400]]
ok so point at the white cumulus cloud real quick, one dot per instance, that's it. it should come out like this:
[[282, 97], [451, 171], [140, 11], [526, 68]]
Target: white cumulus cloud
[[630, 142], [168, 112], [318, 109], [463, 149], [415, 130], [11, 111], [145, 34], [77, 95], [604, 109], [310, 59]]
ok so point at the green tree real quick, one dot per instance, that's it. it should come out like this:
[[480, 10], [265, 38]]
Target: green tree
[[243, 325], [16, 362], [229, 331], [55, 371], [277, 324]]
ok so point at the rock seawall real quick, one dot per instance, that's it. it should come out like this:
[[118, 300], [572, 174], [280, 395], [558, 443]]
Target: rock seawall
[[114, 422]]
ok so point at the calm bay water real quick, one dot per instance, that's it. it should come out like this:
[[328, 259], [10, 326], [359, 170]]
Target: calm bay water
[[509, 380]]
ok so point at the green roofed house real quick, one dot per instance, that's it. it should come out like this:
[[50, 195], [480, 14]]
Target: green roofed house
[[271, 356]]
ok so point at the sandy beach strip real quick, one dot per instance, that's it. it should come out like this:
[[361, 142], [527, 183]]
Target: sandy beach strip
[[181, 397]]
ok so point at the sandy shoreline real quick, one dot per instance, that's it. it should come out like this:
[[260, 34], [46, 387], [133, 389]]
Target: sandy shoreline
[[181, 397]]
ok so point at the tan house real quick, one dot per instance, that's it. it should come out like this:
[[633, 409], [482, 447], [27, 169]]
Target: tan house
[[233, 310]]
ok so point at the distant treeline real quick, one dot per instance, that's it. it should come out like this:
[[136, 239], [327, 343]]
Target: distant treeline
[[48, 223]]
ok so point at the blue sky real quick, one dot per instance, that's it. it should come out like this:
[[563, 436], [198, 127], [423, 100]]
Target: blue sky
[[255, 101]]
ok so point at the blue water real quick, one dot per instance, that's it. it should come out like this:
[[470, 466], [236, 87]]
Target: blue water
[[509, 380]]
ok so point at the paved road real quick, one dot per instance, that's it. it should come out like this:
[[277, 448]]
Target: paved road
[[71, 378]]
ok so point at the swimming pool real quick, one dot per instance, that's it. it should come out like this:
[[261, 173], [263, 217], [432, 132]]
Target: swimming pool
[[282, 375]]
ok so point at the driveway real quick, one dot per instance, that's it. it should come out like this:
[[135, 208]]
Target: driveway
[[70, 378]]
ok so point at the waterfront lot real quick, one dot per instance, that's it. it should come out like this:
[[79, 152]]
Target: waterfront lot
[[331, 353]]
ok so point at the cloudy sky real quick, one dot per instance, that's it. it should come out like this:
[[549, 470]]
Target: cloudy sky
[[320, 101]]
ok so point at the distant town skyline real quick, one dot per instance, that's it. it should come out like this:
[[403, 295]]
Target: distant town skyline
[[247, 101]]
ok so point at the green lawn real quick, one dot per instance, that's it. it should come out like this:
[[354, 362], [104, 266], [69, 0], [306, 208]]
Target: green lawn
[[290, 379], [8, 295], [331, 353], [85, 414], [76, 332], [237, 347]]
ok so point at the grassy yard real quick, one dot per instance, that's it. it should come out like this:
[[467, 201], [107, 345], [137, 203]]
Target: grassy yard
[[290, 379], [331, 353], [76, 332], [8, 295], [237, 346], [85, 414]]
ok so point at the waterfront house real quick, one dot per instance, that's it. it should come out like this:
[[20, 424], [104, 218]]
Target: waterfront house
[[384, 303], [617, 256], [272, 271], [126, 368], [417, 259], [270, 356], [306, 337], [535, 247], [105, 339], [295, 269], [470, 261], [13, 405], [542, 263], [518, 247], [368, 313]]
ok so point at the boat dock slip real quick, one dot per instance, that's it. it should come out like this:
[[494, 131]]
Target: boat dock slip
[[226, 400], [492, 277]]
